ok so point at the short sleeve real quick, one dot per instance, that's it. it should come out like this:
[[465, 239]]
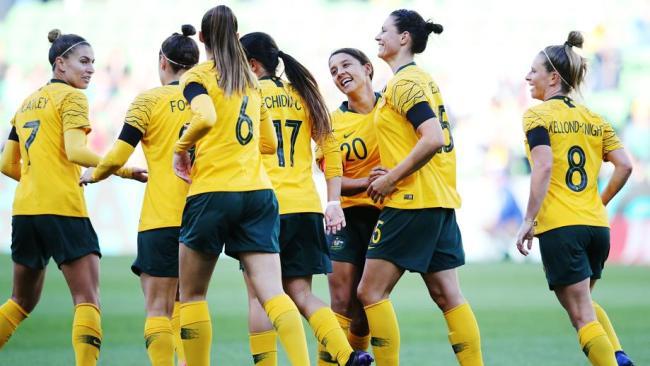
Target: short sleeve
[[404, 95], [191, 76], [611, 141], [533, 120], [74, 111], [141, 110]]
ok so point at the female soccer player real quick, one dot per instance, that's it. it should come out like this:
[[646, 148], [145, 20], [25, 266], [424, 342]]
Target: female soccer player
[[157, 118], [299, 115], [417, 228], [567, 143], [231, 200], [353, 126], [46, 145]]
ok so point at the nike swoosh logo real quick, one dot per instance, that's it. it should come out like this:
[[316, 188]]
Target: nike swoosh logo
[[345, 136]]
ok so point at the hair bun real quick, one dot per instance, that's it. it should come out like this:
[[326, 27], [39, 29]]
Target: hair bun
[[575, 39], [188, 30], [433, 27], [53, 35]]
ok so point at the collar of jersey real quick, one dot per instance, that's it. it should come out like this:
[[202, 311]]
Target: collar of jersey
[[560, 97], [275, 79], [345, 108], [412, 63], [175, 82], [57, 81]]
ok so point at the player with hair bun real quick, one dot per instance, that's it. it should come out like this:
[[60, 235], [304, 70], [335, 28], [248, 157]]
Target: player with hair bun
[[566, 144], [157, 117], [44, 152], [417, 229]]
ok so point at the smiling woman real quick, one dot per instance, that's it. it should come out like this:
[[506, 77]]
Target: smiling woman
[[45, 148]]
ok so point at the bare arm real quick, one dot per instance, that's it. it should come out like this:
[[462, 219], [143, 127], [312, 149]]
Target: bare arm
[[542, 158], [622, 171]]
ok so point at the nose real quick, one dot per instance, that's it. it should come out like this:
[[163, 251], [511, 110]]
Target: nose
[[378, 37], [91, 69]]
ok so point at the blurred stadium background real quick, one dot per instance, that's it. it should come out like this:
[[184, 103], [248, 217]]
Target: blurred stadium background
[[479, 61]]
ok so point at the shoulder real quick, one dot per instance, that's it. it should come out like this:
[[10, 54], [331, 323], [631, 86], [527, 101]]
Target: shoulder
[[537, 116], [199, 74]]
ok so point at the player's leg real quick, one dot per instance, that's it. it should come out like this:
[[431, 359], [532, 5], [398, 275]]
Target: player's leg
[[261, 335], [464, 334], [343, 282], [159, 294], [601, 315], [26, 292]]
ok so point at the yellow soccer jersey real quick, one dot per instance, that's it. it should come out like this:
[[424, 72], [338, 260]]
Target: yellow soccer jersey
[[433, 185], [579, 141], [160, 114], [49, 182], [357, 140], [290, 169], [228, 159]]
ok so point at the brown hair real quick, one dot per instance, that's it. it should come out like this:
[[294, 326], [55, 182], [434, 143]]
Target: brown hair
[[358, 55], [219, 28], [419, 29], [62, 44], [565, 61]]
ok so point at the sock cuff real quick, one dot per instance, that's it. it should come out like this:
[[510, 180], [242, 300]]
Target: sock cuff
[[379, 303], [596, 305], [263, 342], [457, 309], [343, 320], [16, 306], [590, 331], [194, 312], [157, 324], [177, 309], [87, 315], [88, 306], [279, 305], [13, 312]]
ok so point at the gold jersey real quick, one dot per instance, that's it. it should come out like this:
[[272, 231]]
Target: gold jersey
[[290, 169], [433, 185], [49, 182], [160, 114], [579, 141], [227, 158], [357, 140]]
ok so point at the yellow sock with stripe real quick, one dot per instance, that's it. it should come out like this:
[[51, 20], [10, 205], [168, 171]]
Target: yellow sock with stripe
[[11, 314], [176, 331], [159, 341], [384, 331], [329, 333], [324, 358], [357, 342], [287, 321], [86, 334], [264, 348], [596, 345], [196, 332], [464, 335], [604, 321]]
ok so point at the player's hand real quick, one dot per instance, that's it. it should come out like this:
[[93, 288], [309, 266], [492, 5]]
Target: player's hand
[[334, 217], [87, 177], [139, 174], [525, 236], [381, 187], [182, 165], [377, 172]]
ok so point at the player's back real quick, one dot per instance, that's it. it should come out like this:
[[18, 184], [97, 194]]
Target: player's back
[[227, 158], [290, 169], [49, 182], [579, 139], [161, 114]]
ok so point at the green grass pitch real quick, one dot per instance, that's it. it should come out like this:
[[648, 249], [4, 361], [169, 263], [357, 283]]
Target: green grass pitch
[[521, 321]]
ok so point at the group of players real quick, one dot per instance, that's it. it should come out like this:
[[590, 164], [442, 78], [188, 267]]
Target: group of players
[[237, 178]]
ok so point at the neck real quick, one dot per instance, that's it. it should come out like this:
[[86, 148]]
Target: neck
[[552, 92], [169, 77], [58, 75], [399, 60], [362, 100]]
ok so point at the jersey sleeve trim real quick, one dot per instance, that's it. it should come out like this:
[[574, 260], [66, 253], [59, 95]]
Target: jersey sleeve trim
[[538, 136], [13, 135], [192, 90], [130, 135], [420, 113]]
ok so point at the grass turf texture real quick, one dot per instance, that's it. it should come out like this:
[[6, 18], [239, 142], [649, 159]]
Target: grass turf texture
[[521, 321]]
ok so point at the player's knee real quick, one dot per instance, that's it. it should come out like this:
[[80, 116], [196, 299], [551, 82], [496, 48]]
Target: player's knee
[[91, 297], [369, 296], [28, 303]]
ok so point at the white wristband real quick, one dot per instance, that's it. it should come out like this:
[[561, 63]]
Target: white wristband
[[333, 203]]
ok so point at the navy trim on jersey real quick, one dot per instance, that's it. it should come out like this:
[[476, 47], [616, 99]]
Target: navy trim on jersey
[[130, 135], [419, 113], [193, 90], [538, 136]]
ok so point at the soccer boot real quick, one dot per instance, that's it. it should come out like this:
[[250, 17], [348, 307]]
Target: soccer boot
[[622, 359], [359, 358]]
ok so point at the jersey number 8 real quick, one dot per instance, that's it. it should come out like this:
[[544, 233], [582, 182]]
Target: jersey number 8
[[576, 167]]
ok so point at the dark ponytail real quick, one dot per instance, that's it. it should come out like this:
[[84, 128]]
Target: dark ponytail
[[419, 29], [63, 44], [261, 47], [565, 61], [180, 50]]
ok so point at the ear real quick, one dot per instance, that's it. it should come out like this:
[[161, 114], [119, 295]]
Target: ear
[[201, 37], [404, 38], [60, 63], [368, 68], [163, 63], [255, 65], [555, 78]]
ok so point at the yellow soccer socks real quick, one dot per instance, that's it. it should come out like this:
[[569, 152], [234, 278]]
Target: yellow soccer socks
[[604, 321], [287, 321], [595, 344], [329, 333], [176, 331], [159, 341], [196, 332], [86, 334], [384, 330], [11, 314], [264, 348], [464, 335], [359, 343]]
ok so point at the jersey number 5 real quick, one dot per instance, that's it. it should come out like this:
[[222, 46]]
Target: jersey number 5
[[444, 123], [34, 125], [576, 167]]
